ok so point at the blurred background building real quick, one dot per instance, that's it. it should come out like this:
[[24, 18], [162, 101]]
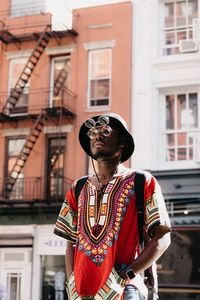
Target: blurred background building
[[166, 126], [63, 61]]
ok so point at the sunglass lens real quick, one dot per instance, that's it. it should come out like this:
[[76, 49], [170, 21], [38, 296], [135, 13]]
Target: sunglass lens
[[90, 123], [92, 133], [106, 130], [103, 120]]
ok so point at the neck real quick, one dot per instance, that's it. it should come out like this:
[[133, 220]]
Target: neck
[[106, 168]]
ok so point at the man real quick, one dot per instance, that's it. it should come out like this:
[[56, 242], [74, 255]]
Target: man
[[103, 258]]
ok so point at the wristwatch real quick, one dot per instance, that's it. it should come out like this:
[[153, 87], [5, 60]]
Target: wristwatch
[[130, 273]]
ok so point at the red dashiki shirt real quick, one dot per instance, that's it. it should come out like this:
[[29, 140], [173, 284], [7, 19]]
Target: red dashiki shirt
[[108, 236]]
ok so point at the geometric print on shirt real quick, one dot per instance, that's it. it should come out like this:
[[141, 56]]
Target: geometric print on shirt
[[98, 230]]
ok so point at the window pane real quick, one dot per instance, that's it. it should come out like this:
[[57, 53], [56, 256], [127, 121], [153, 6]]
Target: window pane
[[170, 140], [170, 112], [170, 155], [182, 154], [181, 111], [100, 88], [191, 154], [170, 38], [182, 139], [15, 146], [180, 264], [181, 13], [61, 72], [53, 286], [99, 77], [100, 63], [193, 111], [169, 15], [192, 10], [181, 35]]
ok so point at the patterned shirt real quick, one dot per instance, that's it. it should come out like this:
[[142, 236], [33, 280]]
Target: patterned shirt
[[106, 234]]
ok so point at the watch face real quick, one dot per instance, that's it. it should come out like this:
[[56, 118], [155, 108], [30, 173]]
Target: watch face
[[130, 274]]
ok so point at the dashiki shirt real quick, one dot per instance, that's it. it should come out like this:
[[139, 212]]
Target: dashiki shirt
[[107, 236]]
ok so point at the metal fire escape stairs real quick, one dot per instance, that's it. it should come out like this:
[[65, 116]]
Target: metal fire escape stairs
[[17, 91], [33, 137], [25, 153], [39, 122]]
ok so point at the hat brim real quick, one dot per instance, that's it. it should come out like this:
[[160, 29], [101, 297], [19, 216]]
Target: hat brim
[[115, 124]]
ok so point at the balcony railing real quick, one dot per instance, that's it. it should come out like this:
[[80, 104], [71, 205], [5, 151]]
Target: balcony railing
[[30, 190], [40, 99]]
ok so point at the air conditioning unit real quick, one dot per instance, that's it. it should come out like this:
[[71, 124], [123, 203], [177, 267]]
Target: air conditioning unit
[[187, 46]]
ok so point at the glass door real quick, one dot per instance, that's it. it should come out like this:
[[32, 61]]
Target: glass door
[[15, 274]]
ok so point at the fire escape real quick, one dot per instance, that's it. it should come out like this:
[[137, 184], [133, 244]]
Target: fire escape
[[15, 95]]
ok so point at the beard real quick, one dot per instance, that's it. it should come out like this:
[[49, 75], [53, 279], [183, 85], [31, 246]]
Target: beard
[[107, 155]]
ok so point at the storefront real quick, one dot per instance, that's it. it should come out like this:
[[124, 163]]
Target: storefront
[[32, 263]]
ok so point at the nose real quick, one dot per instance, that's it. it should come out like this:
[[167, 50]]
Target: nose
[[99, 135]]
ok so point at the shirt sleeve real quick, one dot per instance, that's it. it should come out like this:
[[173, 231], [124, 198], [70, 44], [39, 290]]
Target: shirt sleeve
[[66, 224], [155, 208]]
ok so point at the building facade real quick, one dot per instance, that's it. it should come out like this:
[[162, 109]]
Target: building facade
[[55, 72], [166, 126]]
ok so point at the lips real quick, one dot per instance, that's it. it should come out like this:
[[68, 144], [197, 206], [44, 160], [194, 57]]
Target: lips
[[98, 144]]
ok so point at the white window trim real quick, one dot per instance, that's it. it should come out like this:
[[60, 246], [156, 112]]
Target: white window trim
[[99, 107], [61, 50], [162, 36], [52, 76], [162, 163], [100, 45]]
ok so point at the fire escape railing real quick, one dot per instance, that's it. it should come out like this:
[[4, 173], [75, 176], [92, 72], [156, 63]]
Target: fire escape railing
[[39, 99], [31, 189]]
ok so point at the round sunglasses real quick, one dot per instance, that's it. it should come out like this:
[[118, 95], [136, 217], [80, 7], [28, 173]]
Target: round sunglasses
[[101, 126]]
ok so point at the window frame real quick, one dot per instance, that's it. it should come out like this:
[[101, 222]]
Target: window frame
[[53, 60], [175, 28], [100, 78], [179, 164]]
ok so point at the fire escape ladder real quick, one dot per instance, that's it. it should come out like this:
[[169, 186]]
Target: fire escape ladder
[[16, 92], [60, 80], [25, 152]]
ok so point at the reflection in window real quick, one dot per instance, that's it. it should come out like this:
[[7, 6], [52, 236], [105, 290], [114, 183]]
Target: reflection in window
[[178, 22], [99, 77], [53, 283], [179, 267], [60, 78], [182, 132], [55, 167], [15, 146]]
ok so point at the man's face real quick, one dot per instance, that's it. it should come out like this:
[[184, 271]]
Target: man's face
[[105, 147]]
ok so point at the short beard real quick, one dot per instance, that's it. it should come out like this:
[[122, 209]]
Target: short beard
[[103, 155]]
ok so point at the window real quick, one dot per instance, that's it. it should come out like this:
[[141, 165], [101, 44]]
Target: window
[[178, 23], [16, 67], [14, 147], [182, 134], [55, 167], [178, 268], [26, 7], [60, 79], [53, 281], [99, 77]]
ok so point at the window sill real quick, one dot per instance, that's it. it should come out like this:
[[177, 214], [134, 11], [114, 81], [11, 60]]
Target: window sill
[[105, 108], [177, 58]]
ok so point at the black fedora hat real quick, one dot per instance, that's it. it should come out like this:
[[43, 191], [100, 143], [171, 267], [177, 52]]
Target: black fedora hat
[[116, 122]]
